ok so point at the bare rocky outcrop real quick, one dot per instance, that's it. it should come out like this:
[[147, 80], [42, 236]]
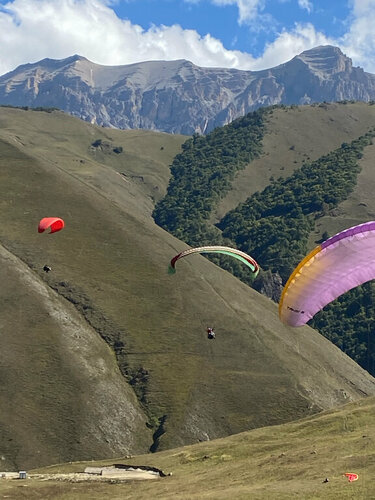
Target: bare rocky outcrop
[[269, 284], [178, 96]]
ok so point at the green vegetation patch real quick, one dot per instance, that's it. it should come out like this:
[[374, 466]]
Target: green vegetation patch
[[348, 322], [274, 225], [201, 175]]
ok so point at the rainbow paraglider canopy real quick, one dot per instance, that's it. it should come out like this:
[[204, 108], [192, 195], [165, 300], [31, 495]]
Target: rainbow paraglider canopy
[[232, 252]]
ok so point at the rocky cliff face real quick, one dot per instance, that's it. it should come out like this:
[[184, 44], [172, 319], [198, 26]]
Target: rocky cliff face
[[179, 97]]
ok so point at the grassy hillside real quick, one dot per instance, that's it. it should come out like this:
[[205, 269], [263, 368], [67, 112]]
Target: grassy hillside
[[110, 262], [62, 394], [295, 135], [285, 461]]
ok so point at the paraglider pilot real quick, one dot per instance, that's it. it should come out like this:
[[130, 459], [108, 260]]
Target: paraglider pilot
[[210, 333]]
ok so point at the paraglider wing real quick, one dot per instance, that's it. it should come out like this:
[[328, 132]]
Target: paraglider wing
[[53, 223], [351, 476], [337, 265], [233, 252]]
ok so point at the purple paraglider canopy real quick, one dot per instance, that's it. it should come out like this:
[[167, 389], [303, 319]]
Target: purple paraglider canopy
[[337, 265]]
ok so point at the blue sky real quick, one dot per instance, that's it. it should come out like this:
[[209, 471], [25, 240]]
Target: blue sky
[[243, 34], [224, 22]]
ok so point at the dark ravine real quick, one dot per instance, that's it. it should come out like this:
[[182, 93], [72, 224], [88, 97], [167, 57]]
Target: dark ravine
[[269, 284], [158, 433], [137, 378], [114, 337]]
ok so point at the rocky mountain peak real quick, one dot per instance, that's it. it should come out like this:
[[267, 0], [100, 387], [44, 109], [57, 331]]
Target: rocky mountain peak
[[178, 96], [326, 60]]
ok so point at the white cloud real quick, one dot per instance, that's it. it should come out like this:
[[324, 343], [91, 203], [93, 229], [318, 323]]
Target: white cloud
[[359, 41], [362, 7], [288, 44], [31, 30], [248, 10], [305, 4]]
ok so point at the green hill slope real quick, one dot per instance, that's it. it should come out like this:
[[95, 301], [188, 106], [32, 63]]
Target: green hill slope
[[285, 461], [110, 262], [62, 394], [295, 135]]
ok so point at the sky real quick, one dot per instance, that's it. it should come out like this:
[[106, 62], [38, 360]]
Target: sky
[[242, 34]]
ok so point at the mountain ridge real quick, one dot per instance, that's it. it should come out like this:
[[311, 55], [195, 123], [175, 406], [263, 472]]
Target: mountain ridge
[[178, 96]]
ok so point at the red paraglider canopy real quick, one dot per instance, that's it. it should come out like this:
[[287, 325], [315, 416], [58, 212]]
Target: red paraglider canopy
[[352, 476], [54, 223]]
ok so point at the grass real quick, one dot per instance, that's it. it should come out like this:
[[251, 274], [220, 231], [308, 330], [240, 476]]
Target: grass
[[285, 461]]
